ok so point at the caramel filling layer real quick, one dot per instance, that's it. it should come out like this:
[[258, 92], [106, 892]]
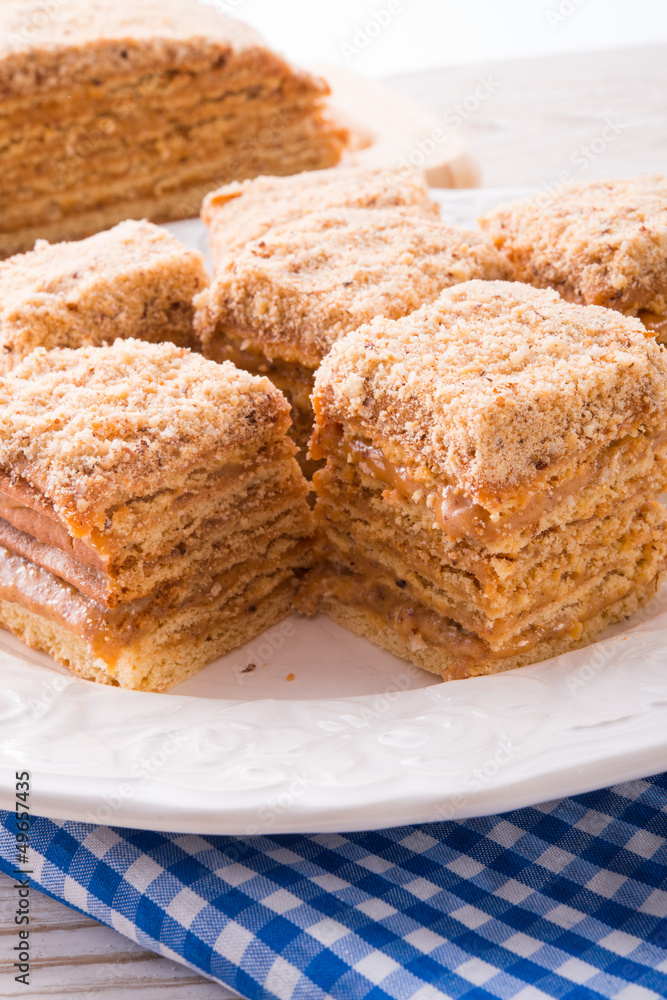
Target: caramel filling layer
[[292, 376], [33, 516], [109, 631], [30, 512], [456, 514], [106, 631], [655, 322], [88, 580]]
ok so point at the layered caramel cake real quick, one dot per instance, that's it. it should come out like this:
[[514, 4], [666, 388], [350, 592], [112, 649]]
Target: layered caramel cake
[[279, 303], [493, 463], [134, 280], [602, 243], [138, 108], [240, 212], [152, 513]]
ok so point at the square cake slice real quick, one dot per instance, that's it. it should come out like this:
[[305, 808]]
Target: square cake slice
[[138, 108], [282, 301], [152, 513], [135, 280], [601, 243], [241, 212], [493, 463]]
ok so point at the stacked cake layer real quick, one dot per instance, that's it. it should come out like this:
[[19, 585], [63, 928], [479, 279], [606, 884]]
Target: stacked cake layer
[[493, 463], [134, 280], [152, 514], [280, 302], [137, 109], [602, 243]]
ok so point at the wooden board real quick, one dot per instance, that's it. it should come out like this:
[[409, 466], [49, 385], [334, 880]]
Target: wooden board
[[75, 958], [390, 130]]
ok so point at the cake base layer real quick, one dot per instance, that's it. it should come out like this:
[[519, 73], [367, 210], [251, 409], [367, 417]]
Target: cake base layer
[[165, 659], [438, 660]]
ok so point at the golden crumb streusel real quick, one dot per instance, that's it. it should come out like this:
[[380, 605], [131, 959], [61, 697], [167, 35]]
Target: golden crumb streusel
[[304, 284], [240, 212], [135, 280], [495, 382], [599, 243], [81, 39], [94, 426]]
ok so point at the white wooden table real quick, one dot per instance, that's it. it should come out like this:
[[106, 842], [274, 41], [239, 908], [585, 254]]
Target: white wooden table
[[537, 117]]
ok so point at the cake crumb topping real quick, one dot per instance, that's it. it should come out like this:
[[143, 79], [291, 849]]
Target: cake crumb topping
[[495, 382], [94, 426], [600, 243]]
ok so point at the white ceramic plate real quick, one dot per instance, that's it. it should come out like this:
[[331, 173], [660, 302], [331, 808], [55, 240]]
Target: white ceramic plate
[[309, 728]]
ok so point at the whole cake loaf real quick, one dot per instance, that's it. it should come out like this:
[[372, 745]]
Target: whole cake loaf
[[137, 108]]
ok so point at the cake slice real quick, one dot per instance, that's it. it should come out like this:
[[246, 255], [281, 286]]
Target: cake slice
[[240, 212], [601, 243], [134, 280], [280, 303], [138, 108], [493, 463], [152, 514]]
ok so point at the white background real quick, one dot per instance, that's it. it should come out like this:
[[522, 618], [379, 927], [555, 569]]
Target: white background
[[425, 33]]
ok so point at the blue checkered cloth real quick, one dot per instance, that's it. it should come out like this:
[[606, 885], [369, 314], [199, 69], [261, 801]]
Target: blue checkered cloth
[[566, 899]]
